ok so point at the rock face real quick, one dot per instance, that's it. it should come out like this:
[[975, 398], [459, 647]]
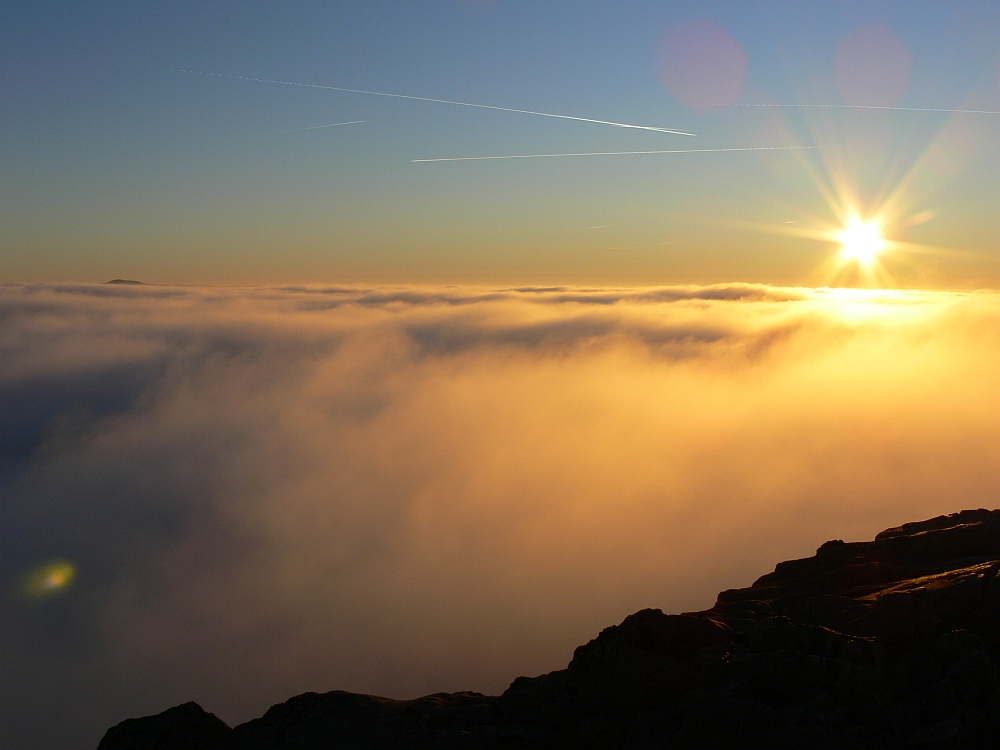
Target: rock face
[[187, 726], [884, 644]]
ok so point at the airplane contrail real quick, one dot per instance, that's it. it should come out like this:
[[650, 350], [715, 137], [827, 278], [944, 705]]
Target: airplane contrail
[[617, 153], [331, 125], [873, 106], [442, 101]]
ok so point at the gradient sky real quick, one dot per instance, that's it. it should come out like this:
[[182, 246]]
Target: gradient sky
[[115, 163]]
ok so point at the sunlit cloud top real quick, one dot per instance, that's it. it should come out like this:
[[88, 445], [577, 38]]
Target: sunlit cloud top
[[234, 495]]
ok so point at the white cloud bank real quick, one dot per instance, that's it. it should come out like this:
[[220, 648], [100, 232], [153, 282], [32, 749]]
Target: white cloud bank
[[399, 491]]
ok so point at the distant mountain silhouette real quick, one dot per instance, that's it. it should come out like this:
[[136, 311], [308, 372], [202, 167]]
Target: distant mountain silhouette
[[884, 644], [124, 281]]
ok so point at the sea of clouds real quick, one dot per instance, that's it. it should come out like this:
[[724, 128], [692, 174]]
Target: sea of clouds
[[265, 491]]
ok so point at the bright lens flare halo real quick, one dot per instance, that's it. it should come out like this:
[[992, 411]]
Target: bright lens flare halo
[[861, 241]]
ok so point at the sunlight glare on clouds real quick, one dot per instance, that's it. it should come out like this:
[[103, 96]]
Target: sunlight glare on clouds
[[402, 490]]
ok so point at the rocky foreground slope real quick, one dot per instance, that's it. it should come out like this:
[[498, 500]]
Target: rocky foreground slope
[[885, 644]]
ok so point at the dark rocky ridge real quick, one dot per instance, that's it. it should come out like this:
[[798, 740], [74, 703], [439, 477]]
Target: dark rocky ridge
[[884, 644]]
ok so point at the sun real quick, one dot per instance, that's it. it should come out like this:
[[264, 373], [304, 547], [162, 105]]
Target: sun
[[861, 241]]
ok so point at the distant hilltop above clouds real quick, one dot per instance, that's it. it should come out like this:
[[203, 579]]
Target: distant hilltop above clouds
[[890, 643]]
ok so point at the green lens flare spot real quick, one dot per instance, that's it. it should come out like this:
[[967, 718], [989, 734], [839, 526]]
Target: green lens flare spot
[[49, 579]]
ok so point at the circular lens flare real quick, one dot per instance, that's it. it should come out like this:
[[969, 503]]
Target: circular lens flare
[[49, 579], [861, 241]]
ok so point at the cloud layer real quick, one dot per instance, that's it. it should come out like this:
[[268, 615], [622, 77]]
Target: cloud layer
[[402, 490]]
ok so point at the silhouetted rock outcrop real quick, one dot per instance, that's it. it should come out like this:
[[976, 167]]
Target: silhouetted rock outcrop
[[188, 726], [884, 644]]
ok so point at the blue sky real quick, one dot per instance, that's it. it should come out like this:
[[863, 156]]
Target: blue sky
[[116, 163]]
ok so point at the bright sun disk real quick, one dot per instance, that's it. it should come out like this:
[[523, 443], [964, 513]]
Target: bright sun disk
[[861, 241]]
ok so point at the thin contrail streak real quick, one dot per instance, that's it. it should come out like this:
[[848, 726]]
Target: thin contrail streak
[[331, 125], [617, 153], [873, 106], [442, 101]]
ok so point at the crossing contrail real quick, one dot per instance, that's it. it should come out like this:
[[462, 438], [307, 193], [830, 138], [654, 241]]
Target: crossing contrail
[[873, 106], [331, 125], [618, 153], [441, 101]]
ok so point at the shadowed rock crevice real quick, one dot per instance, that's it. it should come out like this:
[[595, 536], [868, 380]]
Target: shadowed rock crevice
[[884, 644]]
